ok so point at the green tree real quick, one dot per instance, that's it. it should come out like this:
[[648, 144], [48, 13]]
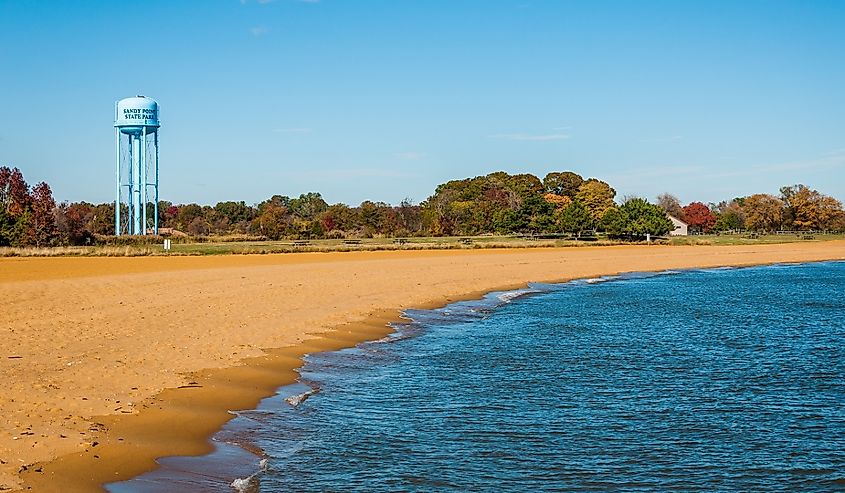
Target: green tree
[[308, 205], [635, 219], [729, 216], [536, 214], [7, 225], [574, 218], [276, 201], [564, 184], [101, 221], [235, 212]]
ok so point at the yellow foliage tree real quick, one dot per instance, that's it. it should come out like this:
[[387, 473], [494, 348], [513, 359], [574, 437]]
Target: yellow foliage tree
[[597, 197], [559, 201]]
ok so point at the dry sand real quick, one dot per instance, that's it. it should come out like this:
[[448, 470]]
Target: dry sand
[[94, 350]]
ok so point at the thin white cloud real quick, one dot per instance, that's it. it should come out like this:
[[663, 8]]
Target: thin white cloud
[[531, 137], [258, 31], [298, 130], [410, 156]]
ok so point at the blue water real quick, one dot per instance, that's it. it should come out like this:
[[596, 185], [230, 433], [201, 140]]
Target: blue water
[[716, 380]]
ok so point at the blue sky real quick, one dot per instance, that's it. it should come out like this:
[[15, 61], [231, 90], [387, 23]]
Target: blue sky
[[383, 100]]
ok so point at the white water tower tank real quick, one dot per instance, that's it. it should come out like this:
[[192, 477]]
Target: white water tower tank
[[135, 113]]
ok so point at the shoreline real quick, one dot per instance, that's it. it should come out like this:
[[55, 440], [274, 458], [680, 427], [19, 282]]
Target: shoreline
[[179, 421], [502, 297]]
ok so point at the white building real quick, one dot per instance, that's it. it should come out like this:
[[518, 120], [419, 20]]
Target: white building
[[681, 228]]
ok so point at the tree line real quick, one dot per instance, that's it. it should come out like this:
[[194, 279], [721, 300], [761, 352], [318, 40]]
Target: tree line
[[497, 203], [797, 208]]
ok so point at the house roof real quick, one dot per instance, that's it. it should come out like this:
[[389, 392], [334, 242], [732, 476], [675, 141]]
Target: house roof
[[678, 220]]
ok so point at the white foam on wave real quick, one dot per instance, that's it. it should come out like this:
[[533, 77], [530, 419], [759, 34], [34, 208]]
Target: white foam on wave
[[387, 338], [245, 485], [296, 400], [509, 296], [597, 280]]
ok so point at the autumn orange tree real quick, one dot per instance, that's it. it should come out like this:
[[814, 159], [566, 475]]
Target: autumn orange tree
[[806, 208], [763, 212]]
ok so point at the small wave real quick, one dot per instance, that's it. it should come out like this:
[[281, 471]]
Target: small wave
[[509, 296], [404, 330], [387, 338], [246, 485], [296, 400], [597, 280], [251, 484]]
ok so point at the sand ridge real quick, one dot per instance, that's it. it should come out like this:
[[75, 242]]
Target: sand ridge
[[90, 344]]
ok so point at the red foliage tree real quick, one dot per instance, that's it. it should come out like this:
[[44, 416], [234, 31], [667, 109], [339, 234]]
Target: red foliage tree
[[73, 223], [14, 192], [42, 224], [699, 217]]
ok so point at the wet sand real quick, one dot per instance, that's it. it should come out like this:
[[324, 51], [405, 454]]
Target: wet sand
[[108, 363]]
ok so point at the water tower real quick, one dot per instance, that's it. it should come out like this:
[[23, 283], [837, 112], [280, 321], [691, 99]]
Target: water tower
[[136, 137]]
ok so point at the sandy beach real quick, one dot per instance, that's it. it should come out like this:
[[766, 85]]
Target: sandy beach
[[108, 363]]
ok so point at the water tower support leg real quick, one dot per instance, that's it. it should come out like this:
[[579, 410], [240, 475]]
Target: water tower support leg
[[144, 181], [117, 184], [137, 198], [130, 188], [155, 206]]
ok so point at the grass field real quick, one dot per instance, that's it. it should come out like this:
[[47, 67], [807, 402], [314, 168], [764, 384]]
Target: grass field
[[225, 247]]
